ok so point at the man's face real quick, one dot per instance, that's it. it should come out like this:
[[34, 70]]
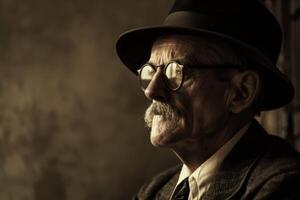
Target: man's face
[[195, 112]]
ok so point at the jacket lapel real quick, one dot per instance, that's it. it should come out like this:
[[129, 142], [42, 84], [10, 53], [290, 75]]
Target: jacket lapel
[[229, 182], [166, 192]]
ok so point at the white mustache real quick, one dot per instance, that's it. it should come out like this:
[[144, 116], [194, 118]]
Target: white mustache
[[158, 108]]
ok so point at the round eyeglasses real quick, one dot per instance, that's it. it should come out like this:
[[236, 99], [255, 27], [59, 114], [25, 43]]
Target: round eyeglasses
[[173, 75]]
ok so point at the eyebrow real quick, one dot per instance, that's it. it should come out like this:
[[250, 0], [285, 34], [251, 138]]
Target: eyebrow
[[180, 61]]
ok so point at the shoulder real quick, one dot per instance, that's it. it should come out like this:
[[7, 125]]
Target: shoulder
[[277, 171], [279, 156], [276, 154], [161, 180], [274, 168]]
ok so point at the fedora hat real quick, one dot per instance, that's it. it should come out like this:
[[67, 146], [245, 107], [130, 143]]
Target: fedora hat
[[247, 24]]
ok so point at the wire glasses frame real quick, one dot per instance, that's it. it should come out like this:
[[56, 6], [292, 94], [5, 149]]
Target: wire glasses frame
[[173, 73]]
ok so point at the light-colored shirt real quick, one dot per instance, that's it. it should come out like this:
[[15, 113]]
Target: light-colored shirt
[[199, 179]]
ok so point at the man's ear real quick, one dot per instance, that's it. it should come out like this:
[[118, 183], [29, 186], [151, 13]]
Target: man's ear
[[245, 90]]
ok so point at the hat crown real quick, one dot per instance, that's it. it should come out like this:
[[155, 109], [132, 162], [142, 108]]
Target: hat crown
[[246, 24], [247, 21], [208, 5]]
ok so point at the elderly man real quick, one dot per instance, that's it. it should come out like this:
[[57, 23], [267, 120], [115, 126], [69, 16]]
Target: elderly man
[[208, 70]]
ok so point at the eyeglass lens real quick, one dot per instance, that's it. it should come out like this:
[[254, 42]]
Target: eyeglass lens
[[172, 73], [146, 74]]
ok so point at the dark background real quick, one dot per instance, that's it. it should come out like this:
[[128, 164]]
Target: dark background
[[71, 115]]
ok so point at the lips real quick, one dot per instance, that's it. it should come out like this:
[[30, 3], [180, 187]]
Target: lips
[[155, 126]]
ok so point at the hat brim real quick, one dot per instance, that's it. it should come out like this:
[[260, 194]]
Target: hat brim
[[134, 48]]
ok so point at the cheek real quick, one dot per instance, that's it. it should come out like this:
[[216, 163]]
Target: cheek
[[185, 107], [209, 110]]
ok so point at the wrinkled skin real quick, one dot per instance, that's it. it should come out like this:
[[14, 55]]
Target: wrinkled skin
[[194, 113]]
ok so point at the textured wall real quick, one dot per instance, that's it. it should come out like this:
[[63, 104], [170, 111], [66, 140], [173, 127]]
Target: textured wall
[[71, 117]]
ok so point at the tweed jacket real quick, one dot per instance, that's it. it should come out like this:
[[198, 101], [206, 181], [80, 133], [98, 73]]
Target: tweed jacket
[[260, 166]]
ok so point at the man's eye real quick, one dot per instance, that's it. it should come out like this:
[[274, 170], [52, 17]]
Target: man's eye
[[178, 72]]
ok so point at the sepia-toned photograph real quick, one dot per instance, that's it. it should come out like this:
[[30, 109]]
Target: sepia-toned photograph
[[150, 100]]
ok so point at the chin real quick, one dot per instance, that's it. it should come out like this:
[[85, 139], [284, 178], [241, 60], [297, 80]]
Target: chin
[[159, 141], [166, 138], [165, 133]]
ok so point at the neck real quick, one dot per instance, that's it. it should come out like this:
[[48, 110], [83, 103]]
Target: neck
[[194, 152]]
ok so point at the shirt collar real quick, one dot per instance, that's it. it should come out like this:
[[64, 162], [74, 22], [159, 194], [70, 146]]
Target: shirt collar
[[211, 165]]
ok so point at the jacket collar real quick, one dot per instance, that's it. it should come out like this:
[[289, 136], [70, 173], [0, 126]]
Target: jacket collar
[[230, 181]]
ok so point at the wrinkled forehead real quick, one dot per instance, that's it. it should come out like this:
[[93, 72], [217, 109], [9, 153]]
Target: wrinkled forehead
[[174, 47], [187, 49]]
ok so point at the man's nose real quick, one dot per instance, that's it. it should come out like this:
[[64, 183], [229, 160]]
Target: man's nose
[[157, 89]]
